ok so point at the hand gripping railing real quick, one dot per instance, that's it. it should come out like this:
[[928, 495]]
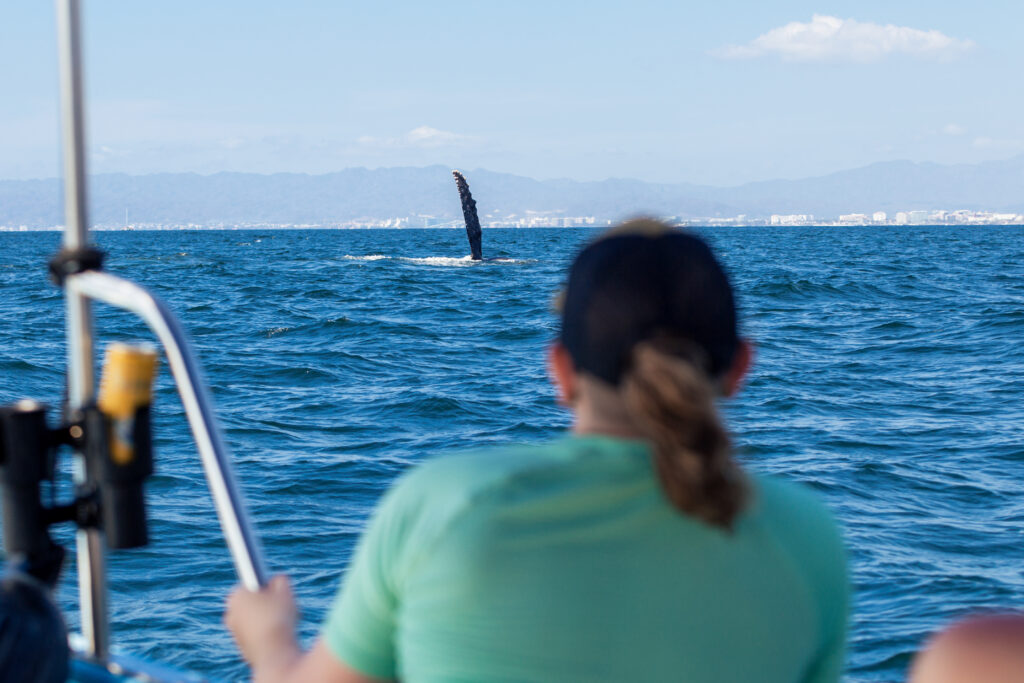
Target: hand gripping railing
[[241, 540]]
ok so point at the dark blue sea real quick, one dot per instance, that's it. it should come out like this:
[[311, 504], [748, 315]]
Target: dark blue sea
[[889, 377]]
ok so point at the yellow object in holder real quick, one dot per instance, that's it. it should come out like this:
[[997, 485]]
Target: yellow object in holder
[[126, 386]]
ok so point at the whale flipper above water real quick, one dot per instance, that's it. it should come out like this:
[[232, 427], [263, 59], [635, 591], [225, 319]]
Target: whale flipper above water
[[469, 213]]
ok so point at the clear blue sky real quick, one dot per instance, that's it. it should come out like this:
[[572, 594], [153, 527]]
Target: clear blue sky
[[715, 93]]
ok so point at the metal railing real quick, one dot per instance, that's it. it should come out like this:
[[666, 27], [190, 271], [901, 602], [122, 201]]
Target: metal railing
[[80, 289], [242, 542]]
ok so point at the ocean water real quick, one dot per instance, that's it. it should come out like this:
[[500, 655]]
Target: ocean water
[[889, 377]]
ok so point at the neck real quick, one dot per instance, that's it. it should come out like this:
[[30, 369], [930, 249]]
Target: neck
[[600, 410], [603, 428]]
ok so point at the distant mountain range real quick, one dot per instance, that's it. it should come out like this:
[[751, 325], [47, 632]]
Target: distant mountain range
[[361, 194]]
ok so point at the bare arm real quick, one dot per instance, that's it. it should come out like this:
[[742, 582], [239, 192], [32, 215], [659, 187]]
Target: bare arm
[[263, 624], [318, 665]]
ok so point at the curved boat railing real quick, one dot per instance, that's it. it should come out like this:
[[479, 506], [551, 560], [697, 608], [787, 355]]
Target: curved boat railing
[[242, 542], [87, 285]]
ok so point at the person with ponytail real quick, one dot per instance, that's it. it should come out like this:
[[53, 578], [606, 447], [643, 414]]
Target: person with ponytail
[[634, 548]]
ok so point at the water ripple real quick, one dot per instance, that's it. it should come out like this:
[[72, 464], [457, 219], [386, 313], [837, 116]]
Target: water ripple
[[889, 377]]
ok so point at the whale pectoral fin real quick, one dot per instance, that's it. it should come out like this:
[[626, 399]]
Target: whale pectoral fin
[[473, 231]]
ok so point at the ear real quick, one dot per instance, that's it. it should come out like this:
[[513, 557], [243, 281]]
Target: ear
[[562, 374], [734, 376]]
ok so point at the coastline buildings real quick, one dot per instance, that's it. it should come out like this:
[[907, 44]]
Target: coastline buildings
[[537, 219], [791, 219], [915, 217]]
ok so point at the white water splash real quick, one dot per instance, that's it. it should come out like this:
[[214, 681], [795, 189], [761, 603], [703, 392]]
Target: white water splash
[[450, 261], [439, 260]]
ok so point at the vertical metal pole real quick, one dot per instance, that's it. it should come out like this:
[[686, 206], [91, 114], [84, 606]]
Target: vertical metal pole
[[92, 586]]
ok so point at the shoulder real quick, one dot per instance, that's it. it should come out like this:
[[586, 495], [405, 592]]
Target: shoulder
[[776, 488], [460, 477], [793, 506], [445, 485], [802, 525], [427, 501]]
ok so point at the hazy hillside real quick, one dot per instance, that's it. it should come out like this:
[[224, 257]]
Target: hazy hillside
[[891, 186], [360, 193]]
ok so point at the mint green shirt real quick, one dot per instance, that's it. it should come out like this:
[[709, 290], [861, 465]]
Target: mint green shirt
[[564, 562]]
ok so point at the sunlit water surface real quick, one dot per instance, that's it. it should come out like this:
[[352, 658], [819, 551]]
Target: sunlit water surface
[[889, 377]]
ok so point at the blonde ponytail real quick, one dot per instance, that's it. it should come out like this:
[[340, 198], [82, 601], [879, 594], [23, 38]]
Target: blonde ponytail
[[672, 401]]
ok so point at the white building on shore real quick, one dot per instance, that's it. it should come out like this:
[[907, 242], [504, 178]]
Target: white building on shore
[[791, 219]]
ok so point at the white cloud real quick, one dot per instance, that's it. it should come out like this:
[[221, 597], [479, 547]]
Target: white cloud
[[998, 143], [827, 38], [422, 137], [953, 129]]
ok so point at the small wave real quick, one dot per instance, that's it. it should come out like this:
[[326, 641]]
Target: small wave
[[457, 261], [505, 259], [439, 260], [341, 321]]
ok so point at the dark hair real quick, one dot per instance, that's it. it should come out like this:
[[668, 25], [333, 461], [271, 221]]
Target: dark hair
[[33, 638], [649, 310]]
